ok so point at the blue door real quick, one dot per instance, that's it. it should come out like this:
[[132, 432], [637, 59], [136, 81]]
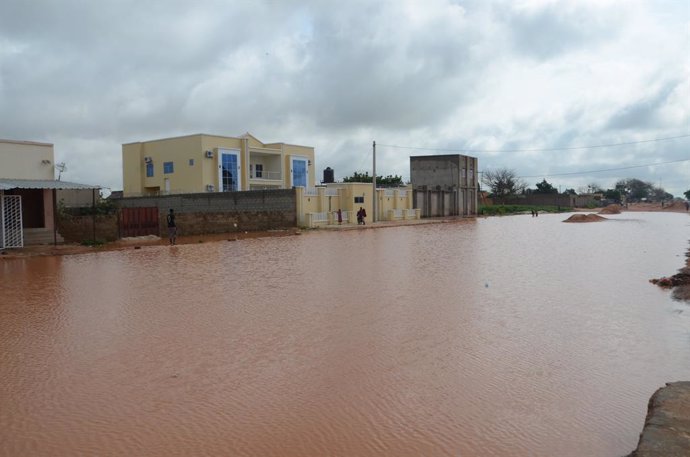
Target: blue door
[[229, 172], [299, 172]]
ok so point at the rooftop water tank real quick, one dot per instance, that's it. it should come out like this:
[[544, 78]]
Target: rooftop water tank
[[328, 175]]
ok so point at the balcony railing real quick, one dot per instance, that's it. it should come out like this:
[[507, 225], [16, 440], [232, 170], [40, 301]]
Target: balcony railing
[[268, 175]]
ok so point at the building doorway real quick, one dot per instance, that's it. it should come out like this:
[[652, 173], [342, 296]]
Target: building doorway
[[299, 172], [229, 168]]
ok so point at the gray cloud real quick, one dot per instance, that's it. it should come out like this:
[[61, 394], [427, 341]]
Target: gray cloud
[[644, 113], [555, 29], [89, 76]]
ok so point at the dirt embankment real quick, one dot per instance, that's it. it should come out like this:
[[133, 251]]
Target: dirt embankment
[[673, 207], [679, 282], [666, 430]]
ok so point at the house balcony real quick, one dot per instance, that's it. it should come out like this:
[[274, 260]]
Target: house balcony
[[266, 175], [266, 179], [265, 169]]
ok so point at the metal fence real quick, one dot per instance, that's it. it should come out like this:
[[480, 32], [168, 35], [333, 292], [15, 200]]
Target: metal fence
[[11, 234]]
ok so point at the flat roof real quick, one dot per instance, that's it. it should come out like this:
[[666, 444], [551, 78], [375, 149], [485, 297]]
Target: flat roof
[[241, 137], [442, 156], [7, 184], [33, 143]]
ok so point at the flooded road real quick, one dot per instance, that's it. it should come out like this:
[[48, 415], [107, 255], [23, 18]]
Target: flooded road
[[513, 336]]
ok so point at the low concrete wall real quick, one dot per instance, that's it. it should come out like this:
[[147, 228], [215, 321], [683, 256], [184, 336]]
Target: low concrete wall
[[201, 223], [76, 229], [666, 430], [549, 200], [221, 212]]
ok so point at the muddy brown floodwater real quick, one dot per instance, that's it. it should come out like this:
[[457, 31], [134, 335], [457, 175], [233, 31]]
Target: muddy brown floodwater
[[513, 336]]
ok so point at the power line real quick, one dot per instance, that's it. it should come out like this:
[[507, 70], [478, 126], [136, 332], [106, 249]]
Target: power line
[[628, 143], [605, 169]]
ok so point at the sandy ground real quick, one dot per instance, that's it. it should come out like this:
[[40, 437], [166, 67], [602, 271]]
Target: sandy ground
[[151, 240], [135, 243], [676, 207]]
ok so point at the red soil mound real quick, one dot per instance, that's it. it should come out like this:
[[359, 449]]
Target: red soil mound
[[585, 218], [611, 209], [675, 206]]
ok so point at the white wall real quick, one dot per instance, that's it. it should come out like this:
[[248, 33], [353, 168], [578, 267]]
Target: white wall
[[26, 160]]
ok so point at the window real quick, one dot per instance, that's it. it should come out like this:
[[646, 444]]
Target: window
[[191, 162], [359, 199], [149, 170], [167, 167], [299, 172], [259, 170]]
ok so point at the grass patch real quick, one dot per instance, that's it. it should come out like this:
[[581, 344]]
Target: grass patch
[[92, 243]]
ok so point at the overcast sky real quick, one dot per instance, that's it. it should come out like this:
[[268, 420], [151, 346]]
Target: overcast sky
[[498, 78]]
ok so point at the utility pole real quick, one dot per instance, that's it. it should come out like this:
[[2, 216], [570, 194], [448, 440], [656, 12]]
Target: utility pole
[[373, 180]]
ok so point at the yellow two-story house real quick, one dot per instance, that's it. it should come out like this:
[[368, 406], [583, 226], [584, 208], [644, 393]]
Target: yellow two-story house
[[212, 163]]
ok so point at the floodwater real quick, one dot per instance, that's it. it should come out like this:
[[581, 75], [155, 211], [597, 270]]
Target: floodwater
[[512, 336]]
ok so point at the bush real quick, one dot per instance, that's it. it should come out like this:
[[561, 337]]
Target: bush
[[102, 207]]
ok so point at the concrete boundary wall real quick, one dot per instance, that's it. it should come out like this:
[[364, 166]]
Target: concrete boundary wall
[[221, 212], [444, 203], [549, 200], [78, 229]]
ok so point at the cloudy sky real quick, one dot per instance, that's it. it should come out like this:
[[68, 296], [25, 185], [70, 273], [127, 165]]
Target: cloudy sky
[[521, 84]]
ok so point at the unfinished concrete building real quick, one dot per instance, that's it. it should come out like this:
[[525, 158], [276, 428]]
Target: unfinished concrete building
[[444, 185]]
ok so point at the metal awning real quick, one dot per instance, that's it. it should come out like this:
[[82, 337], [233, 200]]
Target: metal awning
[[7, 184]]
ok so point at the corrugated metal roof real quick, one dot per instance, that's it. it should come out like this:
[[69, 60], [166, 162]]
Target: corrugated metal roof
[[7, 184]]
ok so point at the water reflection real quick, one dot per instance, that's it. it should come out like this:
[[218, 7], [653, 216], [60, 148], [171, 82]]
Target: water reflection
[[497, 337]]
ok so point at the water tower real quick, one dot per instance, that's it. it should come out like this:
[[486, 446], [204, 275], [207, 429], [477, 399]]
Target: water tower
[[328, 175]]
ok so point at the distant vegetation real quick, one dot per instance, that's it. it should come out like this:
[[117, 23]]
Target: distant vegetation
[[504, 182], [497, 210], [384, 181]]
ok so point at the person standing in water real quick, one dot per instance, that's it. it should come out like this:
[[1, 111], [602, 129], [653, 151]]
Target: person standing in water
[[172, 227]]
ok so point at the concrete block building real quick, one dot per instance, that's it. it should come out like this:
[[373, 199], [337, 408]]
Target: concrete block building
[[445, 185], [28, 193], [212, 163]]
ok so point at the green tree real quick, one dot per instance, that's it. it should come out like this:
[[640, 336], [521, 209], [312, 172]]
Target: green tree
[[385, 181], [659, 194], [687, 194], [634, 189], [612, 194], [569, 192], [544, 187]]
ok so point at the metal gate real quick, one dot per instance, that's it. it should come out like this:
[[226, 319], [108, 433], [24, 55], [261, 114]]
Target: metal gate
[[11, 234], [139, 222]]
